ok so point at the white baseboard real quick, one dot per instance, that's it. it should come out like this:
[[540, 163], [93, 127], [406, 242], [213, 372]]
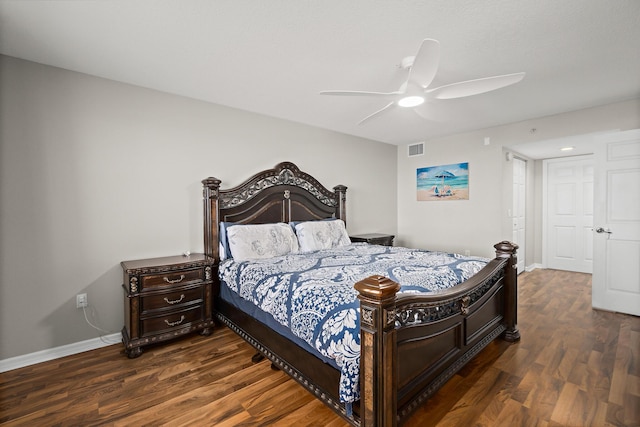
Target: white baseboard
[[532, 267], [58, 352]]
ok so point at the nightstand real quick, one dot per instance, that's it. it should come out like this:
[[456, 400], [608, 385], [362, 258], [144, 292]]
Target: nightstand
[[165, 298], [374, 239]]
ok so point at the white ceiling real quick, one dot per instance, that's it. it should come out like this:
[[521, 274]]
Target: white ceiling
[[274, 56]]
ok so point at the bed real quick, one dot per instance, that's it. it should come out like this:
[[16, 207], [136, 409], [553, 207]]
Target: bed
[[409, 342]]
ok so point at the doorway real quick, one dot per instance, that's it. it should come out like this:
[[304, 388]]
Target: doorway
[[568, 213]]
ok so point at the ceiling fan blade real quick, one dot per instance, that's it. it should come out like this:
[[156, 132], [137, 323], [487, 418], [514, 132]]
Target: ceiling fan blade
[[428, 112], [474, 87], [359, 93], [376, 113], [425, 64]]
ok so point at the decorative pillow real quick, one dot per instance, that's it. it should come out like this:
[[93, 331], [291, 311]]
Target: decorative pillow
[[294, 223], [316, 235], [224, 251], [259, 241]]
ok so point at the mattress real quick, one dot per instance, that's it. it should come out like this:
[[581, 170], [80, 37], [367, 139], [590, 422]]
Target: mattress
[[309, 297]]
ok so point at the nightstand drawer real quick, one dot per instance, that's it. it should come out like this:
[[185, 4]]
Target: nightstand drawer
[[172, 300], [172, 278], [173, 320]]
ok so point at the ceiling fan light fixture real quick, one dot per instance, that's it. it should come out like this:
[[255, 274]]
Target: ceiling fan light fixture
[[411, 101], [421, 71]]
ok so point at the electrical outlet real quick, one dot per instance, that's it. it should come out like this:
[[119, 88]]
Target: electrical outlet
[[81, 300], [467, 252]]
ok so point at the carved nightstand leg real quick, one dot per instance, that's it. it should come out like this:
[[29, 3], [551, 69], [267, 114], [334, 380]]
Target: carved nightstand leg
[[205, 332]]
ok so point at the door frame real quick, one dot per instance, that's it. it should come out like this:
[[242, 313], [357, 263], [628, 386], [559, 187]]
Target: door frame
[[522, 250]]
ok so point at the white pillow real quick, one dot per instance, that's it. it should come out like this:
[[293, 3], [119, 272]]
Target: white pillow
[[259, 241], [316, 235]]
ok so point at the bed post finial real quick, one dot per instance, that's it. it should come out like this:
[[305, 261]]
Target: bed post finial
[[341, 209], [211, 186], [508, 250], [378, 348]]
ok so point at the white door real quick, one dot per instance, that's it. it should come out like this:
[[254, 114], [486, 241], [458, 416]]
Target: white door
[[518, 216], [616, 269], [569, 214]]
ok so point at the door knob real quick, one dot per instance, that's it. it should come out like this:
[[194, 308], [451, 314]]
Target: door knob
[[603, 230]]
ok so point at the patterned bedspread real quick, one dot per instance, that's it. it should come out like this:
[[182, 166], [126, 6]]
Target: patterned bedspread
[[312, 293]]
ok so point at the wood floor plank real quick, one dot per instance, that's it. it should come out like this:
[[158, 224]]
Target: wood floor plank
[[634, 346], [512, 414], [478, 398], [574, 366], [564, 405], [632, 409], [615, 416], [544, 395], [621, 366], [598, 379], [314, 413], [633, 385]]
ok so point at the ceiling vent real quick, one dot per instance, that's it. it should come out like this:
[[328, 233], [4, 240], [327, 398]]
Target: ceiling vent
[[416, 149]]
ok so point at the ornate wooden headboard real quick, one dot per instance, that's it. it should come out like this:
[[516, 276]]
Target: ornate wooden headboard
[[281, 194]]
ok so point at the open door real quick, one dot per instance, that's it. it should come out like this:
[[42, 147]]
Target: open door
[[616, 223]]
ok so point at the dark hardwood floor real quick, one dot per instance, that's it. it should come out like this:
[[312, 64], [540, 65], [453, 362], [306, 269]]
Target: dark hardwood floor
[[574, 366]]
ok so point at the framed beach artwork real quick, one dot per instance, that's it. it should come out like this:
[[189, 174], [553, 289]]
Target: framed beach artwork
[[444, 182]]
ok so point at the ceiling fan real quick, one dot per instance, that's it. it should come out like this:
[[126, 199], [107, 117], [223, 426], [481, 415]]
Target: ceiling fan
[[422, 69]]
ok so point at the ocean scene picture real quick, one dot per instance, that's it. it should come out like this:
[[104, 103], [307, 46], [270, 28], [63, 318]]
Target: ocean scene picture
[[445, 182]]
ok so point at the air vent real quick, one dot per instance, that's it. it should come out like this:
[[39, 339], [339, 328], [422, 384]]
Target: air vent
[[416, 149]]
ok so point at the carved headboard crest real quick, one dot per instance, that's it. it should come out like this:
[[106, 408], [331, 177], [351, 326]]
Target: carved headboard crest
[[285, 173]]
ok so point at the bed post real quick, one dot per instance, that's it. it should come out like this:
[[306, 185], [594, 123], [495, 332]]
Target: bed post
[[508, 250], [341, 209], [211, 220], [378, 351]]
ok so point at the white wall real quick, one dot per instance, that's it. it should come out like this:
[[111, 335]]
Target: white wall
[[481, 221], [445, 224], [94, 172]]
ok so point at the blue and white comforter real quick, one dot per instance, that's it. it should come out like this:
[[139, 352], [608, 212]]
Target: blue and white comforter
[[312, 294]]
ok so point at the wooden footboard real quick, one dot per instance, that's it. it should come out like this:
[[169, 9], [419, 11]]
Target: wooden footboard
[[412, 344]]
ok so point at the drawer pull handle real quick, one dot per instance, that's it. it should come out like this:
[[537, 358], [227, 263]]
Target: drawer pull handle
[[176, 323], [166, 279], [175, 301]]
